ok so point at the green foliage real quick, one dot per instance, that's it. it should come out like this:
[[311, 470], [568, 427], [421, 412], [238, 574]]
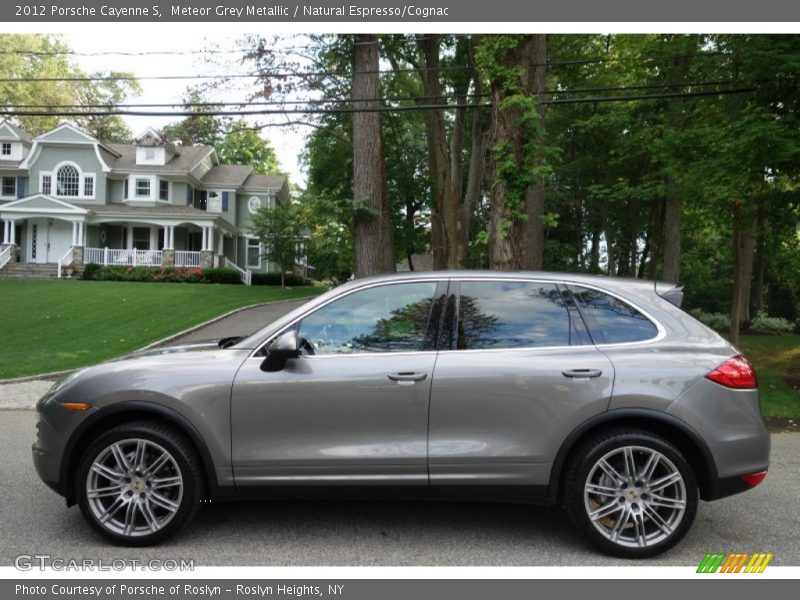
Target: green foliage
[[771, 325], [716, 321], [160, 274], [49, 59], [281, 231], [245, 146], [288, 279]]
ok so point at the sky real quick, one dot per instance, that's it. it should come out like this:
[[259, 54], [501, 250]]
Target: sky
[[288, 143]]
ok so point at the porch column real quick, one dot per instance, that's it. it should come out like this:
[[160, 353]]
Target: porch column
[[130, 237], [5, 231], [12, 236], [81, 233], [74, 234], [205, 239], [210, 239]]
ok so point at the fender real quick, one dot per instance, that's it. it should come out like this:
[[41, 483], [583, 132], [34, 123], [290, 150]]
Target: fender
[[65, 477], [625, 414]]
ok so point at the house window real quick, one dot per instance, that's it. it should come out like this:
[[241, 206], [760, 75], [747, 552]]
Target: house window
[[9, 186], [253, 253], [224, 201], [141, 238], [46, 184], [6, 149], [88, 186], [142, 188], [125, 188], [67, 181], [149, 153], [163, 190]]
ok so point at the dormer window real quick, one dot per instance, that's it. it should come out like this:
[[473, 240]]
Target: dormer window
[[149, 153], [5, 149]]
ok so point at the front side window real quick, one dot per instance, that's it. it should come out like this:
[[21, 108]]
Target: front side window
[[163, 190], [610, 320], [6, 149], [88, 186], [142, 188], [389, 318], [511, 314], [9, 186], [68, 181]]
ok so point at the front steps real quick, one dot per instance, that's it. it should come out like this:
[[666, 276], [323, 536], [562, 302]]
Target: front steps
[[19, 270]]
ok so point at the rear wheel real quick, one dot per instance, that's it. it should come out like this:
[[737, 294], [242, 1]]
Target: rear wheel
[[631, 492], [139, 483]]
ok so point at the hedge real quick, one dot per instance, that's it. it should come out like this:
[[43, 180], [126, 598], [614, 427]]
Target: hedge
[[275, 279], [160, 274]]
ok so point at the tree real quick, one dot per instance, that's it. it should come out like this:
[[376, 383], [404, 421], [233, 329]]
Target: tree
[[245, 146], [200, 129], [28, 57], [280, 230], [374, 246]]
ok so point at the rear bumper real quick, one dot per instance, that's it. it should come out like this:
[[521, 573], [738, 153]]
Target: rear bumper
[[728, 486]]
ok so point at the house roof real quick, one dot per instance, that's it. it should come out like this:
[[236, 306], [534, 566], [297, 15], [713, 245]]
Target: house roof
[[264, 182], [227, 175], [183, 162], [24, 136], [126, 209]]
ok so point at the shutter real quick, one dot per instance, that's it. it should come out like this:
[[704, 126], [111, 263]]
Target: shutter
[[224, 201], [22, 187], [189, 195]]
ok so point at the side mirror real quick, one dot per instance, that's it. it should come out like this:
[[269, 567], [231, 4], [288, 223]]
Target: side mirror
[[281, 350]]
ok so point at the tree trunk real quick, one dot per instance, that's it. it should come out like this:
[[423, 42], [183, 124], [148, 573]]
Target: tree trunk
[[747, 253], [594, 255], [534, 195], [655, 238], [737, 276], [758, 280], [368, 161], [672, 236]]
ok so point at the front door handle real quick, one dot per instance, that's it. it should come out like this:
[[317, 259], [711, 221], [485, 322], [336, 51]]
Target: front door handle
[[407, 376], [582, 373]]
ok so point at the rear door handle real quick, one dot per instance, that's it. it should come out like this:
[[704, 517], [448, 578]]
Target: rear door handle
[[407, 376], [582, 373]]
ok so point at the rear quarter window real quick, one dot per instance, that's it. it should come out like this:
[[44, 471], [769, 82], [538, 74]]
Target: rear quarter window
[[611, 320]]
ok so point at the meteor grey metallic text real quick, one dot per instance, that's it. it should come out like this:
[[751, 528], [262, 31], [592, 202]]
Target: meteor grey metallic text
[[595, 393]]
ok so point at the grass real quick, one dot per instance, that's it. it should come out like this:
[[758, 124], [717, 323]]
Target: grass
[[50, 326], [772, 356]]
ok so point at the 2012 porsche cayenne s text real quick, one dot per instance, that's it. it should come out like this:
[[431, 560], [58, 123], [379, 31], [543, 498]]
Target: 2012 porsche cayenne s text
[[594, 393]]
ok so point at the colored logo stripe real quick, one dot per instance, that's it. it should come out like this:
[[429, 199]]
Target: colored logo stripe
[[734, 562]]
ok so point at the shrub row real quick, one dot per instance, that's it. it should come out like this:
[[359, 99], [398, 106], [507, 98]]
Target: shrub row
[[160, 274], [275, 279], [761, 324]]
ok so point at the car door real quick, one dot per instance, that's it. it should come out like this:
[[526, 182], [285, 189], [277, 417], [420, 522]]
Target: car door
[[353, 407], [516, 372]]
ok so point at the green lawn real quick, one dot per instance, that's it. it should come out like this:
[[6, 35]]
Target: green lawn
[[54, 325], [772, 356]]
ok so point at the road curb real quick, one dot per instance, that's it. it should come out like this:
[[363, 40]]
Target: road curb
[[157, 343]]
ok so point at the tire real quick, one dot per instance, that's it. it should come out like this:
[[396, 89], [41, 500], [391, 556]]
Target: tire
[[147, 482], [628, 516]]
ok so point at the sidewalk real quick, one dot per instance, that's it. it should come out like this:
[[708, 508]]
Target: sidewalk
[[24, 394]]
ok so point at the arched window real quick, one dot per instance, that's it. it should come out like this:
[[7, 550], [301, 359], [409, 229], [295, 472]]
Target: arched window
[[67, 181]]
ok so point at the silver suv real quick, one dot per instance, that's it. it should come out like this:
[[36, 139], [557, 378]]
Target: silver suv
[[596, 393]]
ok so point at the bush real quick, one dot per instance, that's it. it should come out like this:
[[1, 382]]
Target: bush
[[275, 279], [160, 274], [716, 321], [771, 325], [90, 270], [221, 276]]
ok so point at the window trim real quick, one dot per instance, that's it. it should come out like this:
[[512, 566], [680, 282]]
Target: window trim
[[247, 247], [161, 183], [440, 290], [82, 177], [3, 149], [136, 194], [2, 183]]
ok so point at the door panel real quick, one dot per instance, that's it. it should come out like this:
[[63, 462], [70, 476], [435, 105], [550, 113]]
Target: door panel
[[521, 374], [353, 408], [332, 418], [59, 239]]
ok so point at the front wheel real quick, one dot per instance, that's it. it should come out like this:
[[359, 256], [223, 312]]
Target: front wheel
[[631, 492], [139, 483]]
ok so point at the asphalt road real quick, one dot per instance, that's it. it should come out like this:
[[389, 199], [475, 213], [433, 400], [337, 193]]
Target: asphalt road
[[34, 520]]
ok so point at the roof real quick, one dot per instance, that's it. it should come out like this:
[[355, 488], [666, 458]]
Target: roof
[[264, 182], [26, 137], [183, 162], [227, 175], [126, 209]]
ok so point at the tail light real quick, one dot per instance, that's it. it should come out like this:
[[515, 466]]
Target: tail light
[[736, 373], [753, 479]]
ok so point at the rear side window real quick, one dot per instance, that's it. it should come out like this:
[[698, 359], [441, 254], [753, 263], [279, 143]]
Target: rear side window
[[510, 314], [610, 320]]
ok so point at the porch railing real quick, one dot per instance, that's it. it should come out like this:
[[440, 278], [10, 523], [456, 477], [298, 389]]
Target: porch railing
[[187, 258], [247, 276], [5, 256], [134, 257], [64, 260]]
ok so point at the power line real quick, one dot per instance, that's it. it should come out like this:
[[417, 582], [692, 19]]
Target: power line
[[322, 111]]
